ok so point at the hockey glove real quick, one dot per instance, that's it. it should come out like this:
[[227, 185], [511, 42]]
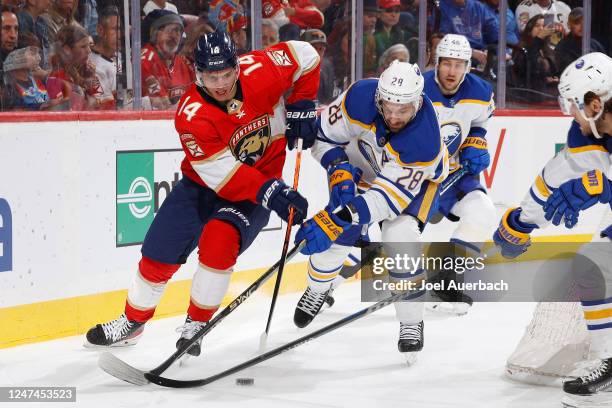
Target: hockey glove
[[279, 197], [576, 195], [301, 123], [512, 235], [474, 155], [320, 232], [342, 178]]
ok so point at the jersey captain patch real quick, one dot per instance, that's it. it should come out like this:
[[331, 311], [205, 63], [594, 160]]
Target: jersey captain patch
[[249, 142]]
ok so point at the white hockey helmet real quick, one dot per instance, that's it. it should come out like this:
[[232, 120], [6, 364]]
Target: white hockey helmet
[[401, 82], [589, 73], [454, 46]]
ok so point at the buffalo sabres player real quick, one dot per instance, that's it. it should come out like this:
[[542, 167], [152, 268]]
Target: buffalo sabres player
[[464, 104], [385, 133], [574, 180], [231, 123]]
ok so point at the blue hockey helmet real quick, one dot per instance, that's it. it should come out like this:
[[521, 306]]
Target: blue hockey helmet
[[215, 51]]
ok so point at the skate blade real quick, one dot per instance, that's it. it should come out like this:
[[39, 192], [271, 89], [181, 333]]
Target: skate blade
[[124, 343], [448, 308], [410, 357], [600, 400], [121, 370]]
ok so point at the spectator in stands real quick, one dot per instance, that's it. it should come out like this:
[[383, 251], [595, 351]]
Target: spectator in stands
[[23, 90], [570, 48], [432, 46], [318, 40], [87, 15], [292, 16], [338, 53], [10, 32], [473, 20], [512, 31], [537, 66], [60, 15], [70, 63], [370, 57], [388, 30], [395, 52], [238, 31], [165, 74], [556, 11], [194, 31], [31, 24], [269, 33], [104, 55], [158, 5]]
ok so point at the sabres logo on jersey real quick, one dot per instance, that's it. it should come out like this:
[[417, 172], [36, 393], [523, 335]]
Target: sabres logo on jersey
[[451, 134], [249, 142]]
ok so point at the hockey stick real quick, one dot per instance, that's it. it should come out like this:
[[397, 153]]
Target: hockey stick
[[169, 382], [123, 371], [452, 179], [296, 178]]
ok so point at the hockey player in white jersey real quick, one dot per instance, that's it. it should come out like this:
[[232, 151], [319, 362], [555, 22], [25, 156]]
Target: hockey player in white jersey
[[464, 104], [385, 132], [574, 180]]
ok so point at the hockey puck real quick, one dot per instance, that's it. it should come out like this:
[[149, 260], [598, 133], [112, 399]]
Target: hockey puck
[[245, 381]]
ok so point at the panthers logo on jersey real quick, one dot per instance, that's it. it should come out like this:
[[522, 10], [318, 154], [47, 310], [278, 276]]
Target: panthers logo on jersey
[[249, 142]]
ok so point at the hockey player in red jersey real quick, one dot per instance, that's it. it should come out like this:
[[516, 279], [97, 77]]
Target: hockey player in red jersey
[[231, 123]]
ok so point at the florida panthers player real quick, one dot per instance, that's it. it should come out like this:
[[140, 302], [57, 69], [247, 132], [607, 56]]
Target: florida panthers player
[[386, 132], [575, 179], [231, 124], [464, 104]]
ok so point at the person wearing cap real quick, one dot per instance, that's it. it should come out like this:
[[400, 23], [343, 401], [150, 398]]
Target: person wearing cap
[[158, 5], [23, 91], [388, 29], [318, 40], [165, 74], [570, 47]]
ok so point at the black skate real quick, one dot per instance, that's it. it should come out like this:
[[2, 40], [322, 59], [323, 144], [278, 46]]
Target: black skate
[[449, 300], [188, 330], [592, 390], [410, 337], [116, 333], [307, 308]]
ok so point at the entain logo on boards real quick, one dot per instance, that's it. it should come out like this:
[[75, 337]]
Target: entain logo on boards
[[142, 182], [6, 236]]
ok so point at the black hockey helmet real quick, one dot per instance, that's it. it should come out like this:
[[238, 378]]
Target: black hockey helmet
[[215, 51]]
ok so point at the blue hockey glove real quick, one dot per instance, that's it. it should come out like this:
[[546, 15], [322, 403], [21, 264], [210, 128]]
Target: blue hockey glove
[[320, 232], [301, 123], [474, 155], [512, 235], [576, 195], [279, 197], [342, 178]]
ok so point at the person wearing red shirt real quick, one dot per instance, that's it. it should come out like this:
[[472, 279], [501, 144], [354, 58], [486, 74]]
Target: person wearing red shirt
[[231, 123], [166, 74]]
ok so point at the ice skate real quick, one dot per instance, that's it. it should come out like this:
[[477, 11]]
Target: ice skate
[[308, 307], [188, 330], [116, 333]]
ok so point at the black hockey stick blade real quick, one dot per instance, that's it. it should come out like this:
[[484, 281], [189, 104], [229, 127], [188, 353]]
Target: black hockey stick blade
[[172, 383], [123, 371]]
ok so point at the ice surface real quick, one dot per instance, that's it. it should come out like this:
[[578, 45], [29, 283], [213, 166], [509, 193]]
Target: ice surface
[[355, 366]]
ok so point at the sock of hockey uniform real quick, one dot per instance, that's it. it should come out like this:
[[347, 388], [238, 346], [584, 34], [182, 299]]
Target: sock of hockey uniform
[[147, 288], [410, 309], [219, 247], [323, 268]]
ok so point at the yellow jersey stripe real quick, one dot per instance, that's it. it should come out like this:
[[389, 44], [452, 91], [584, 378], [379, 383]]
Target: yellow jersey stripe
[[403, 203], [591, 148], [598, 314], [428, 199], [541, 187]]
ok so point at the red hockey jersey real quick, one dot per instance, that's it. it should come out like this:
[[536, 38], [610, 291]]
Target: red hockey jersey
[[234, 149], [159, 79]]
